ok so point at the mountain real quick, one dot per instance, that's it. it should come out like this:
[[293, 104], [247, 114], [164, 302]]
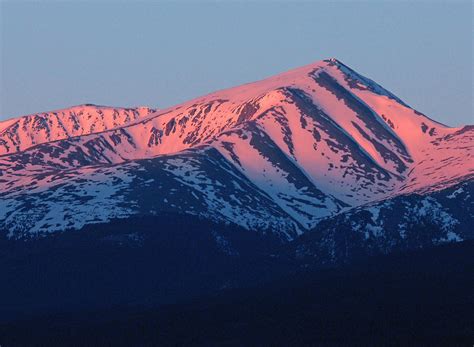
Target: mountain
[[286, 190], [278, 155], [21, 133], [401, 223]]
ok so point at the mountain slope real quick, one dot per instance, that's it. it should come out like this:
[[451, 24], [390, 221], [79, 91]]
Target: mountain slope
[[278, 154], [401, 223], [198, 182]]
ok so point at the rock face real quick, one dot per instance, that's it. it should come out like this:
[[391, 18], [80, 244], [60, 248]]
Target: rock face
[[318, 148]]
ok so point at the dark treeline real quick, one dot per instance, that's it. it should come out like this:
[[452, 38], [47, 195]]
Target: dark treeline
[[421, 297]]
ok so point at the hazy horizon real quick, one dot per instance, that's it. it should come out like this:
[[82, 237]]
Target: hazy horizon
[[58, 54]]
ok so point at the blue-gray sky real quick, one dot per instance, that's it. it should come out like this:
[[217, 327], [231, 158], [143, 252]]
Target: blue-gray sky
[[61, 53]]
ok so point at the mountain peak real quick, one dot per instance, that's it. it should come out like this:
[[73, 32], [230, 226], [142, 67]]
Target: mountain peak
[[333, 60]]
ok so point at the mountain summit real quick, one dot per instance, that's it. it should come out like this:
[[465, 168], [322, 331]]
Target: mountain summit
[[278, 155]]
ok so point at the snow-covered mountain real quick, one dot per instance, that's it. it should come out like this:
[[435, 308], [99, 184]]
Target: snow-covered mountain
[[396, 224], [18, 134], [278, 155]]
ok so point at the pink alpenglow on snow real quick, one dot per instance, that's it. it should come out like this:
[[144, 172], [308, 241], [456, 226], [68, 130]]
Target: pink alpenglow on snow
[[309, 143], [21, 133]]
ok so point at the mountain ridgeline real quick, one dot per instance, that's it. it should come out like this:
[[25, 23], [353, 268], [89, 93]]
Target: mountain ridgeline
[[278, 155]]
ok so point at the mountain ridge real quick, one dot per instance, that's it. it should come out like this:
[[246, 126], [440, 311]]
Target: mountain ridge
[[312, 142], [98, 119]]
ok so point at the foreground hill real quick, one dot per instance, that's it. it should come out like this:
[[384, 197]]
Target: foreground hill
[[411, 299]]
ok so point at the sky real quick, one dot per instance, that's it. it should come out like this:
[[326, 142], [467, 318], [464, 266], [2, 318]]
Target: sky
[[56, 54]]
